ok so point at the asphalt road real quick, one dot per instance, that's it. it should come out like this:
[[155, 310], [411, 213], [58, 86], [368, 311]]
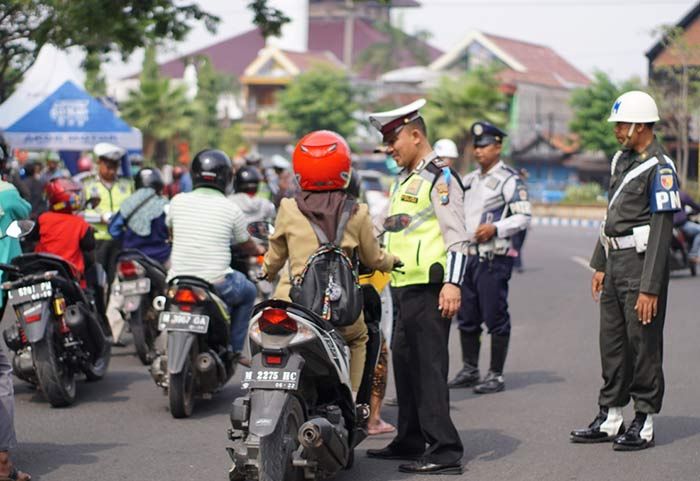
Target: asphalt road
[[120, 428]]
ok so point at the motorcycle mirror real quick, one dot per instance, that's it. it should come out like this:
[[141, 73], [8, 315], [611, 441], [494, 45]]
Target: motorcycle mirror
[[261, 230], [159, 303], [93, 202], [397, 222], [19, 228]]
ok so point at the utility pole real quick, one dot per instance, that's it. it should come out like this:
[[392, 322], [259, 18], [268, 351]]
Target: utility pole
[[349, 33]]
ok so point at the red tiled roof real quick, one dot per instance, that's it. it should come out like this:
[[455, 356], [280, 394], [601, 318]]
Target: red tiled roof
[[544, 66]]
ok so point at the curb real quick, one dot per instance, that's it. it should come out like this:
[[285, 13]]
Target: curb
[[565, 222]]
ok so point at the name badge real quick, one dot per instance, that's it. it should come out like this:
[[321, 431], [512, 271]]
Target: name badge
[[409, 198]]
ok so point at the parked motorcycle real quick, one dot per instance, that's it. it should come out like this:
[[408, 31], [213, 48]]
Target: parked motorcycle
[[678, 258], [59, 331], [198, 361], [298, 419], [141, 280]]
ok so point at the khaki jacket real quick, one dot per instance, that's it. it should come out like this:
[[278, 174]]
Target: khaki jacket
[[294, 240]]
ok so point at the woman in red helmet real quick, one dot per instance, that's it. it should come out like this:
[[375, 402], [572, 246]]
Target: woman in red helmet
[[321, 164], [61, 231]]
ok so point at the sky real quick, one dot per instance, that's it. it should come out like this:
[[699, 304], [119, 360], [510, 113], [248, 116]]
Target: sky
[[607, 35]]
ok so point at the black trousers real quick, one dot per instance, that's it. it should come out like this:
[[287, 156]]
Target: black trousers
[[631, 354], [421, 360]]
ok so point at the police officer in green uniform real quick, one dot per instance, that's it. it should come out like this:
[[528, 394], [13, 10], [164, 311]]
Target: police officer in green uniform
[[631, 277], [426, 292], [112, 191]]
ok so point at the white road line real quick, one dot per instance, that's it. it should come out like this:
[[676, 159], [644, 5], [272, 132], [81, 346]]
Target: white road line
[[582, 262]]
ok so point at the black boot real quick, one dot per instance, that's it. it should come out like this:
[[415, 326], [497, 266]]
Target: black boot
[[494, 382], [606, 425], [469, 374], [640, 434]]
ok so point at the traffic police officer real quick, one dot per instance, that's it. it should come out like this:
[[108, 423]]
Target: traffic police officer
[[631, 277], [496, 208], [426, 292]]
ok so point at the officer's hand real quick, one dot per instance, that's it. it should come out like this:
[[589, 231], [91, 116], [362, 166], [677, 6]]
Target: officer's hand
[[597, 285], [261, 250], [646, 307], [485, 232], [450, 297]]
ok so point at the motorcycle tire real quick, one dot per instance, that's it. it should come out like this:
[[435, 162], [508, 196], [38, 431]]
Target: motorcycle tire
[[141, 331], [56, 380], [98, 369], [693, 269], [181, 388], [276, 449]]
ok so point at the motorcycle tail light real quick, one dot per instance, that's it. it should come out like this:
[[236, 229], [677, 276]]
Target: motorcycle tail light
[[277, 322], [128, 269], [273, 360], [32, 318], [188, 295]]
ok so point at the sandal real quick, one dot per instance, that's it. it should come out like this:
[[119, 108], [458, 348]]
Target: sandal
[[384, 428]]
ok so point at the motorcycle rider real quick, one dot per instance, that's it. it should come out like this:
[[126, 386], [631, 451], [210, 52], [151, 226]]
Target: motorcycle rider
[[140, 224], [204, 224], [321, 162], [245, 184], [689, 228]]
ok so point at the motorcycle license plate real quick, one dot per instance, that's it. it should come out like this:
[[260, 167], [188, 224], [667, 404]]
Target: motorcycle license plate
[[133, 288], [182, 321], [34, 292], [267, 378]]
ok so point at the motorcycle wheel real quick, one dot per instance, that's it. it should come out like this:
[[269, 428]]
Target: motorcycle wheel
[[57, 381], [98, 369], [181, 391], [276, 449], [143, 335]]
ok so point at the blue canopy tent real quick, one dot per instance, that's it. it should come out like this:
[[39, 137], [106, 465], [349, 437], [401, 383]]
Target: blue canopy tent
[[71, 121]]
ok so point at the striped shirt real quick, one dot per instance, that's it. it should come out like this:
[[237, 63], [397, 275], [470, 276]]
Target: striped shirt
[[204, 224]]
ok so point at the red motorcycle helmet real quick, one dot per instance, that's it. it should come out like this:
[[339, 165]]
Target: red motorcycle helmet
[[321, 161], [64, 195]]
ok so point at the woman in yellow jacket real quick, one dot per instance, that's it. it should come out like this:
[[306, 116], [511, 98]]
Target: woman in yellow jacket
[[321, 163]]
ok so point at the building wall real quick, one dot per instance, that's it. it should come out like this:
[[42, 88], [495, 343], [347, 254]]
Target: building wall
[[670, 58], [539, 107]]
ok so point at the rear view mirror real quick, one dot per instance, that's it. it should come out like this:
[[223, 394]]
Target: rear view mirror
[[261, 230], [19, 228], [397, 222], [93, 202]]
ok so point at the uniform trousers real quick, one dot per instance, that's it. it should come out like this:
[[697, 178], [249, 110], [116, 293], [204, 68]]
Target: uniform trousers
[[485, 296], [631, 354], [7, 404], [421, 359]]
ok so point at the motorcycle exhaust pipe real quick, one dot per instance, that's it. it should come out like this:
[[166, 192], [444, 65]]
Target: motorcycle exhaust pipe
[[88, 329], [324, 443], [207, 369], [23, 366]]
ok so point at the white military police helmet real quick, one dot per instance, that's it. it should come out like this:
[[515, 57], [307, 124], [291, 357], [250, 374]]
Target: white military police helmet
[[105, 150], [446, 148], [391, 121], [635, 107]]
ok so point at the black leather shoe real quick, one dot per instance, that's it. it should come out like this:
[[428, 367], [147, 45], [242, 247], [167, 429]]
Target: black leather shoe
[[640, 435], [493, 382], [424, 467], [595, 432], [390, 453], [467, 377]]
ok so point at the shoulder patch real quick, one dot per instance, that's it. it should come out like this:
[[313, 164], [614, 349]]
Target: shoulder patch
[[664, 193]]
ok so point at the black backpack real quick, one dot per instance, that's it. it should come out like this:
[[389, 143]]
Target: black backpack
[[329, 284]]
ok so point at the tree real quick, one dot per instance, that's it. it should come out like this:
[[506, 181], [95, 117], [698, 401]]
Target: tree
[[99, 26], [592, 106], [160, 110], [321, 98], [457, 102], [95, 82], [384, 56]]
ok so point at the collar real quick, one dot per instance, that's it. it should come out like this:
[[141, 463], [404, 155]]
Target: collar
[[208, 191], [420, 166], [493, 169]]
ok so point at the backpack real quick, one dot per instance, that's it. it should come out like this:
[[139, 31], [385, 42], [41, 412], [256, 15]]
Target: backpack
[[329, 284]]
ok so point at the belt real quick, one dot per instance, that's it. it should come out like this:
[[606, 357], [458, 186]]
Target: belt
[[473, 250], [621, 242]]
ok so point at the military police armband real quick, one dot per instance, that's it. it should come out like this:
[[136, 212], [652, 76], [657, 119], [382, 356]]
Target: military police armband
[[664, 193], [456, 265]]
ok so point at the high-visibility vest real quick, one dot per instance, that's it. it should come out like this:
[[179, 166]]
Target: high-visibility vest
[[110, 201]]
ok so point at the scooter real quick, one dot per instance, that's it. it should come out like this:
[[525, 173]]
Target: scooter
[[298, 417], [58, 332], [678, 255], [198, 360], [141, 280]]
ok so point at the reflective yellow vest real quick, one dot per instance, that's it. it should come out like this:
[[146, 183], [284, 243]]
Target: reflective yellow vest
[[420, 245], [110, 201]]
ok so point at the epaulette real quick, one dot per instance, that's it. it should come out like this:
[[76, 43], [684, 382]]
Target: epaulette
[[509, 169]]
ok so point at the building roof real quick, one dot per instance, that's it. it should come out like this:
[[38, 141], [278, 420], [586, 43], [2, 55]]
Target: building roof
[[233, 55], [525, 61], [285, 64], [684, 23]]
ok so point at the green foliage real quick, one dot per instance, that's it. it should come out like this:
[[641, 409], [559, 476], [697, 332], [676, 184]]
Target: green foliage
[[160, 110], [385, 56], [584, 194], [99, 26], [321, 98], [456, 103], [269, 19], [231, 139], [95, 82], [591, 111]]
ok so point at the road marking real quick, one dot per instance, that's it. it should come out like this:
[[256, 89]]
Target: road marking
[[582, 262]]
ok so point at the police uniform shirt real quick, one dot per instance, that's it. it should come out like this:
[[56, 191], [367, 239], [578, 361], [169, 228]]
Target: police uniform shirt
[[643, 191], [497, 197]]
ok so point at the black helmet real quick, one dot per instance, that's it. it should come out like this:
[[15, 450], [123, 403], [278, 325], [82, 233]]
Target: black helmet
[[149, 178], [353, 188], [212, 168], [247, 179]]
